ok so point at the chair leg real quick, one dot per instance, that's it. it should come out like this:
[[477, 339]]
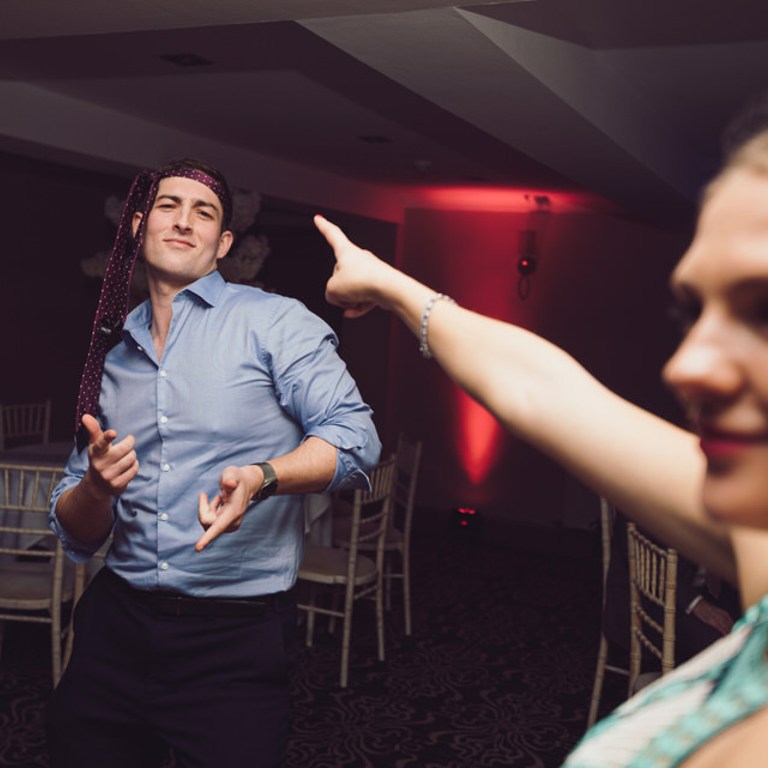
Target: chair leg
[[55, 654], [349, 604], [597, 688], [79, 588], [635, 656], [69, 638], [309, 638], [407, 590], [56, 643], [380, 618], [334, 607]]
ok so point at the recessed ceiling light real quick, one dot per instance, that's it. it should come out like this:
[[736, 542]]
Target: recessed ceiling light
[[186, 59]]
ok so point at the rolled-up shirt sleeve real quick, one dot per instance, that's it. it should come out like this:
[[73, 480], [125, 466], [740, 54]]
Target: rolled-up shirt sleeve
[[315, 387], [76, 550]]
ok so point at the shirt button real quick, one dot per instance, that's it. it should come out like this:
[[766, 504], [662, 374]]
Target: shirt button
[[166, 467], [163, 515], [164, 566], [163, 374], [163, 419]]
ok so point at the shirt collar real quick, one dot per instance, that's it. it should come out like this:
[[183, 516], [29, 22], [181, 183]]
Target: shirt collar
[[208, 288]]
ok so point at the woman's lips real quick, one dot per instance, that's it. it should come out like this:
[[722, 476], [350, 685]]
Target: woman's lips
[[722, 445]]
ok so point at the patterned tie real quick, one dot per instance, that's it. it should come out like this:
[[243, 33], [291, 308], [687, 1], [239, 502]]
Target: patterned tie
[[113, 299]]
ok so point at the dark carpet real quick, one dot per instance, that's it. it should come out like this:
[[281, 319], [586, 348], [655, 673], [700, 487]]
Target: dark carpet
[[498, 671]]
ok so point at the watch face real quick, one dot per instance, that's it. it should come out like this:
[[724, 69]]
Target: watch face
[[269, 485]]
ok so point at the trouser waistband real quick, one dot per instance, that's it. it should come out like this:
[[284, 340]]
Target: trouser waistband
[[165, 603]]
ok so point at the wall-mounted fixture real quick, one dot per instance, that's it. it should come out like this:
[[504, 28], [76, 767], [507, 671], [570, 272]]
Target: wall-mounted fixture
[[529, 243], [527, 261]]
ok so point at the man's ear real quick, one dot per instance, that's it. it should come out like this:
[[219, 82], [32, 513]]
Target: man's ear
[[225, 243], [137, 217]]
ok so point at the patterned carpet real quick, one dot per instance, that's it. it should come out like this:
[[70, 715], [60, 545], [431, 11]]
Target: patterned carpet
[[498, 671]]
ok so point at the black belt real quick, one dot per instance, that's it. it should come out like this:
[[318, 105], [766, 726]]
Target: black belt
[[164, 603]]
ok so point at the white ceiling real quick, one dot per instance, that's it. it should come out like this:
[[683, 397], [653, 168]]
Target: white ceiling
[[621, 101]]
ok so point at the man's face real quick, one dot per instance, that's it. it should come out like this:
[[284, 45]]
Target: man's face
[[183, 239]]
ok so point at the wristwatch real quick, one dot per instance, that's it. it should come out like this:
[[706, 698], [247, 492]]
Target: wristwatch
[[269, 485]]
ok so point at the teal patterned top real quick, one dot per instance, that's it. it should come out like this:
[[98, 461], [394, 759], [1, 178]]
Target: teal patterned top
[[672, 718]]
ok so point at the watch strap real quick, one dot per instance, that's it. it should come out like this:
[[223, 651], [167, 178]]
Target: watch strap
[[269, 484]]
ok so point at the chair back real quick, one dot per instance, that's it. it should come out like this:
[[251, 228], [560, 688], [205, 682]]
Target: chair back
[[346, 566], [371, 511], [25, 493], [24, 423], [407, 460], [653, 588], [35, 577]]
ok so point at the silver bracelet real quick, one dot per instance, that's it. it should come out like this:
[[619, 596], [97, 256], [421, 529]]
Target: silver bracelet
[[423, 344]]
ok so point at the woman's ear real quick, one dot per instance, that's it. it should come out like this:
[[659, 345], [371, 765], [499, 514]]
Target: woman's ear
[[137, 217]]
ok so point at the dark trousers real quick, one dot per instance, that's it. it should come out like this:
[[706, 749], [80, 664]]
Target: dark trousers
[[214, 689]]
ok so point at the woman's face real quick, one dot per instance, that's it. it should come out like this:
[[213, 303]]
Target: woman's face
[[720, 370]]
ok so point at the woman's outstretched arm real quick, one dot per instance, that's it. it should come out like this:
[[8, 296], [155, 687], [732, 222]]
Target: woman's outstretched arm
[[652, 470]]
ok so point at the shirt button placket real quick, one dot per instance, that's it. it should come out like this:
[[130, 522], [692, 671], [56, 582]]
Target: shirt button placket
[[165, 467]]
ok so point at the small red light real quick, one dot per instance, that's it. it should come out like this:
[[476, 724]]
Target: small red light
[[467, 518]]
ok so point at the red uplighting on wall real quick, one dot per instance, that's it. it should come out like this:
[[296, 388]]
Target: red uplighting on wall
[[478, 439], [500, 199]]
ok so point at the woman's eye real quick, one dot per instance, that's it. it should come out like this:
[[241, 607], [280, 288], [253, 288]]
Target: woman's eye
[[683, 315], [757, 315]]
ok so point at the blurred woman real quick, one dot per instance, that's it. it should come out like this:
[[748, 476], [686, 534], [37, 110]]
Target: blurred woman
[[704, 491]]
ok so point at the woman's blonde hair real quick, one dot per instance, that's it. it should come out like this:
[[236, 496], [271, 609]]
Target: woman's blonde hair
[[750, 155]]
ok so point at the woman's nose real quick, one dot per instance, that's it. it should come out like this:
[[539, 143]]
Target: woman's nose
[[705, 364]]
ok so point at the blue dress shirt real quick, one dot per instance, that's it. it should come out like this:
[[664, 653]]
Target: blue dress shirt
[[245, 377]]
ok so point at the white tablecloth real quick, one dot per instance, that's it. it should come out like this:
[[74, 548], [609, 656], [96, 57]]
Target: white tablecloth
[[318, 519], [39, 454]]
